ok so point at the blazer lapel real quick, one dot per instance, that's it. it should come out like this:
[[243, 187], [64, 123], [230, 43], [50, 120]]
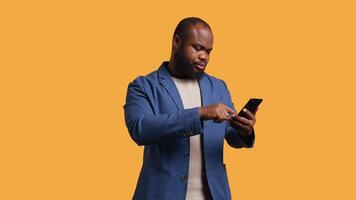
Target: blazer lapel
[[206, 98], [167, 82], [205, 90]]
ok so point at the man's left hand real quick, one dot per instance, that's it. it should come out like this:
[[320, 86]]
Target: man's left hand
[[243, 125]]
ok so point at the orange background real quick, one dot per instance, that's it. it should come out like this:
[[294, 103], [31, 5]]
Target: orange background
[[65, 67]]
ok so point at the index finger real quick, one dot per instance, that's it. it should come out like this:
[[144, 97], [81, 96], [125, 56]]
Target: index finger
[[230, 110]]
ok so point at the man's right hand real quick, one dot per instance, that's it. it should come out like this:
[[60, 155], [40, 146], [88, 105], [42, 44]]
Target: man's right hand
[[217, 112]]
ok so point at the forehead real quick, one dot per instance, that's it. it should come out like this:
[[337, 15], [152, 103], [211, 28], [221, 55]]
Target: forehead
[[200, 34]]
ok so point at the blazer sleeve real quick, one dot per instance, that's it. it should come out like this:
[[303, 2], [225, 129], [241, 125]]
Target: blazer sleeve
[[233, 138], [147, 128]]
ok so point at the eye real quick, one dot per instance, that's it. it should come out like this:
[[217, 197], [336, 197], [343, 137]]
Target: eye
[[197, 47]]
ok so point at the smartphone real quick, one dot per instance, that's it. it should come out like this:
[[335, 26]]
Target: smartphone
[[251, 105]]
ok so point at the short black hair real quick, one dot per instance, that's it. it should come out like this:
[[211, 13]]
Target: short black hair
[[182, 27]]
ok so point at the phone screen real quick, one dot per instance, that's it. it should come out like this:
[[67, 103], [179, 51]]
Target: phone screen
[[251, 105]]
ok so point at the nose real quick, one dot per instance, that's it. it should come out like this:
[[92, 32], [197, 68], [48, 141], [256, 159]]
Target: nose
[[203, 56]]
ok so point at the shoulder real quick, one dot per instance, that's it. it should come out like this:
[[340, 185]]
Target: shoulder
[[151, 77], [143, 83], [146, 79]]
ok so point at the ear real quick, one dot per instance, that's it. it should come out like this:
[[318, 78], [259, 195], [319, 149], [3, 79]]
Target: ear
[[176, 42]]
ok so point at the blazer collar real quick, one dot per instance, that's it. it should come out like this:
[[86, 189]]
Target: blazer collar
[[168, 83]]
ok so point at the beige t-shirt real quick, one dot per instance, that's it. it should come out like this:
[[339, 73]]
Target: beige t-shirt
[[197, 187]]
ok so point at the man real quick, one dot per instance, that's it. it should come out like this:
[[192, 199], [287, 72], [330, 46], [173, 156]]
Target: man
[[182, 116]]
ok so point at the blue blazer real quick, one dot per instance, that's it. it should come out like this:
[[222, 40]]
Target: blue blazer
[[155, 117]]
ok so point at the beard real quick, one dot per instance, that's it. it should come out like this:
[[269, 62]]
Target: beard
[[184, 67]]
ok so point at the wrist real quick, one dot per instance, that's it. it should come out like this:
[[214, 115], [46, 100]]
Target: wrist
[[202, 113]]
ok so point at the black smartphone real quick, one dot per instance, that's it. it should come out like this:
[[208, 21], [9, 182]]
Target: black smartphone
[[251, 105]]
